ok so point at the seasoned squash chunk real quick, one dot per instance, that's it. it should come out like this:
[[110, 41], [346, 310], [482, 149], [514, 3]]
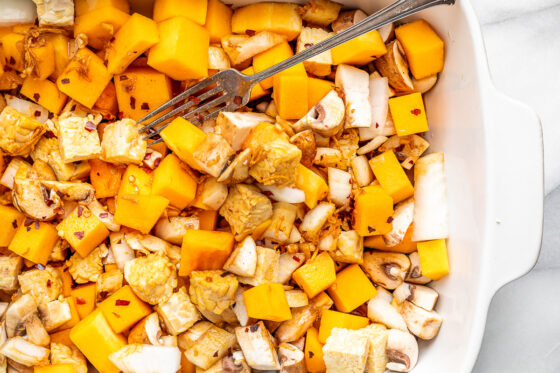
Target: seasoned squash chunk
[[44, 92], [183, 138], [182, 51], [105, 178], [135, 181], [60, 44], [408, 113], [83, 230], [140, 212], [135, 37], [10, 220], [42, 55], [313, 185], [18, 132], [271, 57], [351, 289], [316, 275], [34, 241], [204, 250], [359, 51], [257, 91], [267, 302], [175, 182], [85, 296], [82, 7], [433, 258], [333, 319], [141, 90], [314, 352], [391, 176], [218, 20], [84, 78], [54, 368], [195, 10], [290, 95], [373, 207], [100, 25], [123, 309], [122, 143], [12, 46], [281, 18]]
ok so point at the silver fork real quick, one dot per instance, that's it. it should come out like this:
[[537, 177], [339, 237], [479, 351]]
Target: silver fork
[[230, 89]]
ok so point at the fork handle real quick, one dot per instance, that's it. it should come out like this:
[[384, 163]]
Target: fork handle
[[391, 13]]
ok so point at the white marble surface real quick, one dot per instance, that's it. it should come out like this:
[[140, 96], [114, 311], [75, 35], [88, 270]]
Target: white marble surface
[[523, 45]]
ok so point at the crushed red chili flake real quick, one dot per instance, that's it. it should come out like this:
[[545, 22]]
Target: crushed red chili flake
[[145, 106], [237, 100], [28, 222], [311, 354], [7, 68], [157, 162], [132, 103], [103, 214], [80, 300], [123, 77], [389, 219], [215, 354], [90, 126], [49, 134], [250, 32], [37, 113], [65, 81], [79, 234], [12, 60], [37, 226], [415, 111], [253, 328], [49, 283], [116, 315], [122, 302], [103, 294], [73, 108], [370, 229], [36, 96], [80, 210], [295, 257], [308, 45], [147, 156], [376, 125], [14, 224], [49, 202]]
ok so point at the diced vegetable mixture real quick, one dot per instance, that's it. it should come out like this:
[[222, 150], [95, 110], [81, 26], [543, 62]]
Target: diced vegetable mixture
[[297, 234]]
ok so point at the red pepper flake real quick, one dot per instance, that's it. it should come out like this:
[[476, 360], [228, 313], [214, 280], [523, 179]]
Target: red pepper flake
[[59, 211], [65, 81], [157, 162], [103, 294], [40, 267], [116, 315], [416, 111], [90, 126], [103, 215], [28, 222], [14, 224], [123, 77], [145, 106], [376, 125], [389, 220], [49, 134], [49, 202], [194, 99], [254, 328], [147, 156], [73, 108], [80, 210], [7, 68], [250, 32], [122, 302], [37, 113], [132, 103], [370, 229], [37, 226], [311, 354], [215, 354], [12, 60], [308, 45], [80, 300], [49, 283], [296, 258], [79, 234], [36, 96], [209, 279], [237, 100]]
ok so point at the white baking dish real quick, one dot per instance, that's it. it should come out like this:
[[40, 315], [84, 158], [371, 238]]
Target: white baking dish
[[494, 164]]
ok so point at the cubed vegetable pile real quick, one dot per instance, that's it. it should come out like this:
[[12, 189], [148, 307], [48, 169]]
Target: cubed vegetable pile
[[298, 234]]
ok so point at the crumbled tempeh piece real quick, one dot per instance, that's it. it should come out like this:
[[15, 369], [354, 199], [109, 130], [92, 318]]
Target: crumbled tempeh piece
[[152, 277], [245, 208]]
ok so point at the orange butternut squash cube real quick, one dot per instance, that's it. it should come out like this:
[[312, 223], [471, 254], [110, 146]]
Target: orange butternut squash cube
[[359, 51], [12, 47], [135, 181], [139, 212], [406, 246], [267, 302], [10, 220], [409, 115], [34, 242], [351, 289], [173, 181], [100, 25], [373, 207], [60, 44], [43, 55], [218, 20], [182, 51], [207, 219], [62, 337], [203, 250], [271, 57], [433, 258], [123, 309], [183, 137], [391, 176], [84, 88], [424, 49], [67, 281], [82, 7], [83, 230], [316, 90], [290, 96], [257, 91], [44, 92], [75, 315], [55, 368], [316, 275], [314, 352], [141, 90], [107, 105], [313, 185], [259, 230], [105, 178], [135, 37], [195, 10], [96, 340], [85, 296], [280, 18], [333, 319]]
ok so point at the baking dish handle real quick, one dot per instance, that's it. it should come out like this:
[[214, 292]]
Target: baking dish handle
[[516, 192]]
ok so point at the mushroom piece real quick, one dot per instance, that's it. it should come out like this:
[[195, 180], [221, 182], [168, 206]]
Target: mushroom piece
[[361, 170], [24, 352], [381, 311], [238, 170], [402, 218], [348, 18], [385, 268], [288, 263], [387, 32], [78, 192], [375, 143], [302, 319], [122, 253], [233, 363], [393, 65], [328, 157], [147, 359], [243, 259], [258, 346], [315, 218], [340, 186], [34, 200], [408, 148], [22, 319], [105, 216], [173, 228], [354, 84], [305, 141], [284, 194], [423, 324], [414, 275], [425, 84], [402, 351], [326, 118], [421, 296], [291, 359], [240, 48]]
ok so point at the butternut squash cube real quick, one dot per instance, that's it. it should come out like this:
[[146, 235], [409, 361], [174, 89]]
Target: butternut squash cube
[[424, 49], [105, 178], [83, 230], [84, 78], [34, 242], [359, 51], [96, 340], [271, 57], [183, 138], [267, 302], [10, 220], [207, 220], [280, 18], [290, 96], [316, 275], [100, 25], [107, 105], [373, 207], [75, 315], [195, 10], [135, 181], [313, 185], [43, 55], [173, 181], [433, 258], [391, 176], [67, 281], [12, 47], [182, 51], [82, 7], [85, 297], [333, 319], [316, 90], [123, 309], [139, 212], [314, 352], [141, 90], [44, 92], [62, 337], [218, 20], [55, 368], [203, 250], [135, 37], [60, 45], [257, 91], [409, 115], [351, 289]]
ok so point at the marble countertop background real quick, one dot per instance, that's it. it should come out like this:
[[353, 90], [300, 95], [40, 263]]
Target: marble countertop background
[[523, 45]]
